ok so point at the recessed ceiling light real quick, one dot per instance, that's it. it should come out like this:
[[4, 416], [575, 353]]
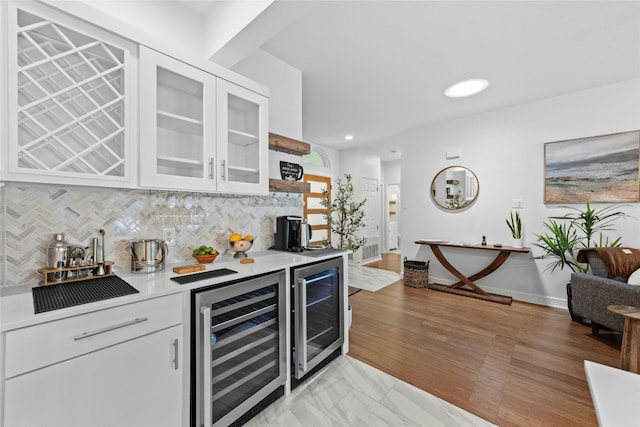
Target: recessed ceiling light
[[348, 137], [466, 88]]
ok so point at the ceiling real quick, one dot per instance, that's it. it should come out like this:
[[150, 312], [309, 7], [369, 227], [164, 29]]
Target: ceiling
[[375, 69]]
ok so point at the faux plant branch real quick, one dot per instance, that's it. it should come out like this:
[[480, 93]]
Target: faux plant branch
[[346, 216]]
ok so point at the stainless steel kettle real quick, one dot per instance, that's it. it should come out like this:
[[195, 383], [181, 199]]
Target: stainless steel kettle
[[305, 234], [148, 255]]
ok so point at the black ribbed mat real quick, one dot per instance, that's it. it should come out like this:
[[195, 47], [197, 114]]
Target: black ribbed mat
[[55, 297], [189, 278]]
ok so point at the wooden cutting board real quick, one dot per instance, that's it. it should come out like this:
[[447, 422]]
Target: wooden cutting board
[[188, 268]]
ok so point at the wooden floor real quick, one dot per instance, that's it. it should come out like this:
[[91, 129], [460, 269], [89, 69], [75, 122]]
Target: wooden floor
[[517, 365]]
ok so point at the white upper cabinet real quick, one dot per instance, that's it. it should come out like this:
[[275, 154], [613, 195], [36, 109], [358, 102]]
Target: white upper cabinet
[[177, 124], [71, 100], [199, 132], [243, 140]]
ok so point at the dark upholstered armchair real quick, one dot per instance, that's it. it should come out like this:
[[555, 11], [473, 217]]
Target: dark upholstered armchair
[[592, 293]]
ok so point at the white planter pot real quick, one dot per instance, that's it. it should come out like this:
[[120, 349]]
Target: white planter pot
[[518, 243]]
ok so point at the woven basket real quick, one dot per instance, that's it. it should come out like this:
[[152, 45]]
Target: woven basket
[[416, 274]]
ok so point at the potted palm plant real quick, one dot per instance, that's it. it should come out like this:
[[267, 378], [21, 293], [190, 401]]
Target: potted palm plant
[[514, 222], [581, 228]]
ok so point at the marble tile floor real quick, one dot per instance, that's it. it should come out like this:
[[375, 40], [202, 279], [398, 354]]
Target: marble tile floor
[[370, 279], [351, 393]]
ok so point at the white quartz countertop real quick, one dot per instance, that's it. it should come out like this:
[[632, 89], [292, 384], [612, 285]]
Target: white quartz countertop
[[17, 311], [615, 394]]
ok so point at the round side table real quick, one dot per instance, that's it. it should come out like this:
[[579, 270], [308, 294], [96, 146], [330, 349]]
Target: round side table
[[630, 351]]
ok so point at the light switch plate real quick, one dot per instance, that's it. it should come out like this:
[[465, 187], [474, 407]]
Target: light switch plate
[[169, 235], [517, 204]]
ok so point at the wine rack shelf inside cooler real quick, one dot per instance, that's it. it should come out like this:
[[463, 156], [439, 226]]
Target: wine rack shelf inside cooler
[[244, 347]]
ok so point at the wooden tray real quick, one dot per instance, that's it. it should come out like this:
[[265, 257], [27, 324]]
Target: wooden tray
[[183, 269], [47, 272]]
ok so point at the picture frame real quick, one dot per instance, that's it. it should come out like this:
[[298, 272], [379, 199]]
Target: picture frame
[[601, 168]]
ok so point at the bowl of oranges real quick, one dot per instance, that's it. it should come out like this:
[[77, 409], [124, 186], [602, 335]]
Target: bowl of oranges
[[240, 244]]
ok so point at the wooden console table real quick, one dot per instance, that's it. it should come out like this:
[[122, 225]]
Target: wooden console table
[[474, 290]]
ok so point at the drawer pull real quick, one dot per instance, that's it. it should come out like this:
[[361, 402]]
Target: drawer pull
[[110, 328], [175, 354]]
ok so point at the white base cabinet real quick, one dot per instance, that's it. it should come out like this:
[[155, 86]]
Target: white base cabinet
[[135, 383], [121, 366]]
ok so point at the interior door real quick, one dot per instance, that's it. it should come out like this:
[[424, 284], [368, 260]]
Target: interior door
[[371, 231]]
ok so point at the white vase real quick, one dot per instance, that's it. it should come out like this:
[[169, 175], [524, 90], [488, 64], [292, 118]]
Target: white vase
[[518, 243]]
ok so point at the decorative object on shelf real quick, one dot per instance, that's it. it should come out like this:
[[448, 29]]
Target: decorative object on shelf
[[454, 188], [346, 216], [291, 171], [514, 222], [290, 146], [484, 240], [598, 169]]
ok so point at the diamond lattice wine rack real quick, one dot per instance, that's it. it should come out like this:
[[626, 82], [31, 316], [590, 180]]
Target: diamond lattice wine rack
[[70, 100]]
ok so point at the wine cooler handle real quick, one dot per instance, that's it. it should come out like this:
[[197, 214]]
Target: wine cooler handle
[[301, 345], [206, 364]]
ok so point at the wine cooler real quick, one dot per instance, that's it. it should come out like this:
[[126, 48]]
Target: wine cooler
[[317, 316], [239, 348]]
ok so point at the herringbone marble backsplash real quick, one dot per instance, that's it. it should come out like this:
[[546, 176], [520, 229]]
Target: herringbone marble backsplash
[[32, 213]]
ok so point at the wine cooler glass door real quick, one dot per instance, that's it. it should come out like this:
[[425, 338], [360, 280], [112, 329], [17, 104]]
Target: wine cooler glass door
[[318, 320]]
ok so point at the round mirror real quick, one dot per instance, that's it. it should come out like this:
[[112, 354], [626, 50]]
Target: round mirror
[[454, 188]]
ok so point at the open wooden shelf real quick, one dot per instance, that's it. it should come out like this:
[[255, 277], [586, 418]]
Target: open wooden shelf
[[283, 186], [288, 145]]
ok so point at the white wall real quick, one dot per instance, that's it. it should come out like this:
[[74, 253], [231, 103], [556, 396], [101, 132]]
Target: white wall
[[285, 101], [360, 163], [285, 85], [391, 172], [505, 149]]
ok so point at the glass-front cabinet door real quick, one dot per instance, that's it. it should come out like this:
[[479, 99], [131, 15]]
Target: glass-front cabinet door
[[242, 140], [72, 100], [177, 124]]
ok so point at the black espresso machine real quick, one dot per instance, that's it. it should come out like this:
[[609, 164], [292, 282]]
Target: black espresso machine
[[292, 233]]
